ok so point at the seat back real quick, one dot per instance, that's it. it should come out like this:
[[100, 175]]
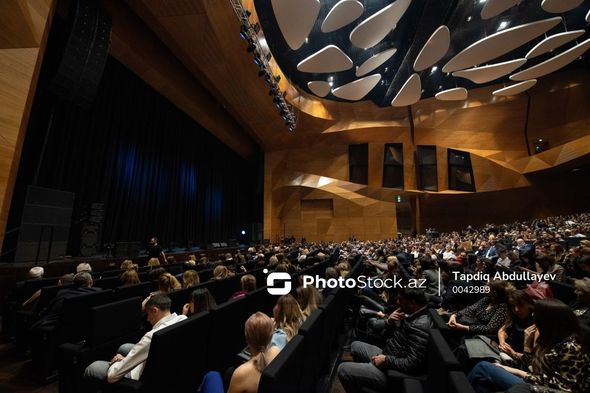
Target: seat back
[[142, 290], [48, 294], [283, 374], [113, 320], [74, 320], [227, 332], [313, 331], [107, 283], [440, 360], [261, 300], [458, 383], [183, 368], [223, 289], [562, 291], [179, 297]]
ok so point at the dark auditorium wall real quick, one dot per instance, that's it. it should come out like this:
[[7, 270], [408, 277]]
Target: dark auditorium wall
[[555, 192], [156, 170]]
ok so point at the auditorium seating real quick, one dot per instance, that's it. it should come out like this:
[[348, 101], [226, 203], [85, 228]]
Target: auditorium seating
[[109, 325], [314, 351], [284, 374], [562, 291]]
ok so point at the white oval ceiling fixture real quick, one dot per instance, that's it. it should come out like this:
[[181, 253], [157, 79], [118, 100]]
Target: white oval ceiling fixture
[[516, 88], [560, 6], [356, 90], [375, 61], [434, 49], [373, 29], [343, 13], [588, 17], [553, 41], [456, 94], [295, 19], [319, 88], [499, 44], [409, 93], [493, 8], [329, 59], [490, 72], [555, 63]]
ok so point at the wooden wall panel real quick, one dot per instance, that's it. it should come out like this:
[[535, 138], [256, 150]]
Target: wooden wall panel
[[24, 26]]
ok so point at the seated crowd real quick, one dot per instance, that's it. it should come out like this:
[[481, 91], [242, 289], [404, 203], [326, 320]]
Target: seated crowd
[[533, 340]]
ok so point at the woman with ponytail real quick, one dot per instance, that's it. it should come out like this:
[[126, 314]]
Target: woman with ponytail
[[166, 283], [258, 330]]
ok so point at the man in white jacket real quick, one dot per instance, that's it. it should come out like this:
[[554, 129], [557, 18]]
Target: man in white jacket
[[130, 359]]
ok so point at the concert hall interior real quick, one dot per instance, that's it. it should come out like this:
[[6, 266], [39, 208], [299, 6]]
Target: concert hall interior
[[294, 196]]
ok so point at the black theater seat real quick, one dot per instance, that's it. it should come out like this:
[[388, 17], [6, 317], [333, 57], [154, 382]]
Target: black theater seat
[[142, 290], [223, 289], [227, 332], [110, 325], [313, 331], [284, 373], [107, 283], [179, 298], [459, 383], [562, 291]]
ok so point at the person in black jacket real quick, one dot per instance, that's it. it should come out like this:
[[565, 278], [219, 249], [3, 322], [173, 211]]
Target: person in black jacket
[[405, 351]]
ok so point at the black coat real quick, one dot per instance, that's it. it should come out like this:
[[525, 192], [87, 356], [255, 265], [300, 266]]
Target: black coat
[[406, 350]]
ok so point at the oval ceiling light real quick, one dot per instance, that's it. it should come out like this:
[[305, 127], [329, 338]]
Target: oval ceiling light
[[499, 43], [295, 19], [409, 93], [356, 90], [553, 64], [329, 59], [493, 8], [490, 72], [552, 42], [343, 13], [373, 29], [515, 89], [560, 6], [375, 61], [456, 94], [588, 17], [434, 49], [319, 88]]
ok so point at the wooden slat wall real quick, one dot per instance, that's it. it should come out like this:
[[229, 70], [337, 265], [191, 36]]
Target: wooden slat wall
[[24, 26]]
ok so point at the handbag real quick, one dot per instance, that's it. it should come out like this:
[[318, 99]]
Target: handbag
[[539, 290]]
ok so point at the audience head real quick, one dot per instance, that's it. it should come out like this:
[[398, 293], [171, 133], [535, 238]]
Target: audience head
[[273, 261], [157, 307], [309, 299], [288, 315], [521, 305], [248, 283], [220, 272], [83, 267], [126, 265], [545, 261], [282, 267], [190, 278], [331, 272], [258, 330], [171, 259], [411, 299], [66, 279], [201, 300], [156, 273], [153, 262], [499, 291], [130, 277], [167, 282], [83, 279], [36, 272]]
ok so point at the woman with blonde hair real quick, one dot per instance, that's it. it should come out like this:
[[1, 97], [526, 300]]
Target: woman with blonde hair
[[288, 317], [309, 299], [220, 272], [130, 277], [153, 262], [190, 278], [258, 331], [166, 283], [126, 265]]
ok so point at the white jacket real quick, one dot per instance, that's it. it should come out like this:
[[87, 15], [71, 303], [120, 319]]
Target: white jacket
[[132, 365]]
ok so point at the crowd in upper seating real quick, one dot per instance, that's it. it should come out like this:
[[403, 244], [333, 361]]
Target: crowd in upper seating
[[532, 338]]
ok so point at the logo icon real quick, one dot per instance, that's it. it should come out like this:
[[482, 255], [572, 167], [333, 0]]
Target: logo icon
[[283, 280]]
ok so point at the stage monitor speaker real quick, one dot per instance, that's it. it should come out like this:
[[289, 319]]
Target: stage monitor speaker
[[85, 54], [45, 225]]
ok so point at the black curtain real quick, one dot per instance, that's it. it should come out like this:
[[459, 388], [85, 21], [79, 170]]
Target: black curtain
[[156, 170]]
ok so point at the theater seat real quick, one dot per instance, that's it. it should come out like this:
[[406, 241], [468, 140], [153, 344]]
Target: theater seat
[[562, 291], [313, 330], [459, 383], [142, 290], [284, 373]]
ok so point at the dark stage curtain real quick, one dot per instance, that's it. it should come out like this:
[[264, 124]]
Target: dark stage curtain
[[156, 170]]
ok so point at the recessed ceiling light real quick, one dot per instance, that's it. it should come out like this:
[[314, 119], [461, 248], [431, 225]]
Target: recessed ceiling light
[[306, 40], [482, 1], [469, 18], [434, 68], [503, 24]]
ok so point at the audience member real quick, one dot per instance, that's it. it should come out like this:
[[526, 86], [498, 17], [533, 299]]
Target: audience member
[[248, 284], [84, 267], [166, 283], [129, 361], [288, 317], [309, 299], [130, 277], [190, 278], [200, 300]]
